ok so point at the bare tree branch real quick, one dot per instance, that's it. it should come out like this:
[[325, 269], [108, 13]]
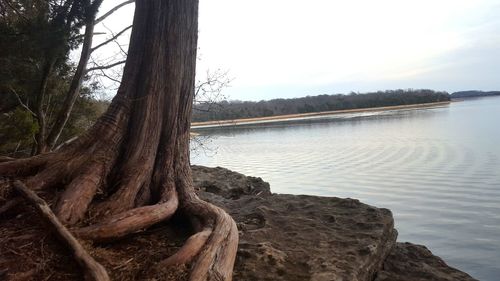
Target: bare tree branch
[[107, 14], [101, 67], [208, 93], [114, 36], [121, 48], [21, 103], [82, 35], [107, 76]]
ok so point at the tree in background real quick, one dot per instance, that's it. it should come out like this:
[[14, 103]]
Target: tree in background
[[39, 85], [137, 154], [68, 108], [248, 109]]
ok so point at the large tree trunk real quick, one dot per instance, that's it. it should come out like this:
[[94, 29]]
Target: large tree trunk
[[137, 153]]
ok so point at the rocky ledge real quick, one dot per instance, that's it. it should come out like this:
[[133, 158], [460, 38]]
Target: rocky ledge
[[297, 237]]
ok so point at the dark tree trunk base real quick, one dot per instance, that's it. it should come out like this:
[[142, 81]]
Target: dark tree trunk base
[[210, 252], [25, 236], [131, 170]]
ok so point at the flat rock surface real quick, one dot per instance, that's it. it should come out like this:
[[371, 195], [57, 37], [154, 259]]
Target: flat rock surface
[[416, 263], [289, 237], [227, 183], [282, 237]]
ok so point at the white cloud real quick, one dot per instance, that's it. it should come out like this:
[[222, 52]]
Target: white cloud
[[319, 42], [309, 44]]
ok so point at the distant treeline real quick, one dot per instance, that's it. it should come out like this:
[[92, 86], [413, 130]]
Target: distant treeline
[[471, 94], [248, 109]]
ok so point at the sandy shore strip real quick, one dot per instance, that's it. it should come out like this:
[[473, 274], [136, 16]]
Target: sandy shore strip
[[246, 121]]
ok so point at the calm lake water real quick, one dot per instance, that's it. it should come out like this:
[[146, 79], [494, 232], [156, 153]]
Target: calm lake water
[[437, 169]]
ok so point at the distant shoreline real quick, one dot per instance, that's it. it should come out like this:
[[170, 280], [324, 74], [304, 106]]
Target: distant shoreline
[[246, 121]]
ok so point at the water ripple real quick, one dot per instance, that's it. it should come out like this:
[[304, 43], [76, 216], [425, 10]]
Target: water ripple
[[435, 169]]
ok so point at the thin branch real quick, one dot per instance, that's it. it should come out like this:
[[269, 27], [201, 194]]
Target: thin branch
[[116, 41], [109, 77], [102, 67], [121, 49], [65, 143], [21, 103], [199, 87], [107, 14], [111, 39], [82, 35]]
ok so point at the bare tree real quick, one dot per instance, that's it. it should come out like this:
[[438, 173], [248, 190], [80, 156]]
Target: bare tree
[[208, 91]]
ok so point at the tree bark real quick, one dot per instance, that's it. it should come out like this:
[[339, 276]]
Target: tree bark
[[74, 88], [41, 145], [137, 153]]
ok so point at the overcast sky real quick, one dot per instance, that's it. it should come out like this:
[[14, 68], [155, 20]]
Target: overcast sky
[[287, 48]]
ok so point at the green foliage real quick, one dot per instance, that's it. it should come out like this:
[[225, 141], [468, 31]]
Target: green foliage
[[473, 94], [247, 109], [16, 131], [18, 126], [35, 34]]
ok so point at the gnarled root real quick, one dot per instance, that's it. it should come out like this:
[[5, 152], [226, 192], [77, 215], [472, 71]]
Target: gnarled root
[[23, 167], [216, 260], [129, 221], [190, 249], [74, 201], [93, 270], [211, 251], [85, 170], [6, 159]]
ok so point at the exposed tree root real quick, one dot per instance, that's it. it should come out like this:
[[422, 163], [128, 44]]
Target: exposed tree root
[[74, 201], [49, 176], [6, 159], [93, 270], [129, 221], [211, 251], [187, 252], [23, 167], [216, 259]]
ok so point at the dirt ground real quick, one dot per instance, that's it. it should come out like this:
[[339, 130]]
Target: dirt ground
[[30, 251]]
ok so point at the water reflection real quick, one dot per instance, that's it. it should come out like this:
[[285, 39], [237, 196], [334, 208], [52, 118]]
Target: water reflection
[[437, 169]]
